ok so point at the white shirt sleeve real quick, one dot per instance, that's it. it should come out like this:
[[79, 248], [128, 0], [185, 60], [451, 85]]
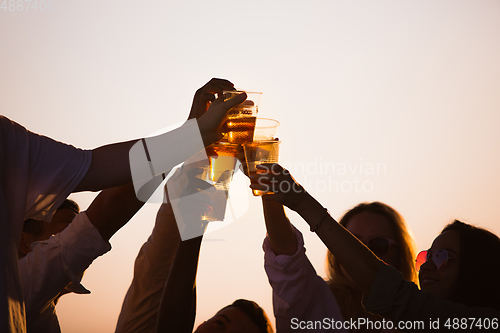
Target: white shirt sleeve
[[59, 261], [299, 294]]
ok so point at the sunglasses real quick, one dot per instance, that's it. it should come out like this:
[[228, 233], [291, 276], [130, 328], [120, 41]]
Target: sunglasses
[[440, 258], [380, 246]]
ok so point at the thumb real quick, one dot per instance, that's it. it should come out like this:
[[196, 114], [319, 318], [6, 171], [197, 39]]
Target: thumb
[[221, 106]]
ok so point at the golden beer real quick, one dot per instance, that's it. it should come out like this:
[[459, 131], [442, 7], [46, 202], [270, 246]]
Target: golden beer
[[223, 158], [219, 172], [240, 130], [258, 153]]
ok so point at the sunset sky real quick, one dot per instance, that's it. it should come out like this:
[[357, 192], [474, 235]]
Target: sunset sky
[[392, 101]]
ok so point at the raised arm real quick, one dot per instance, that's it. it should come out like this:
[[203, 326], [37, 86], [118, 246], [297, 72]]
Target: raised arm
[[152, 267], [359, 262], [112, 209], [109, 168], [190, 198], [279, 229], [77, 246], [178, 305], [140, 160]]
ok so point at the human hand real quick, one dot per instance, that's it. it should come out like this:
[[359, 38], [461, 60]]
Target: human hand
[[204, 96], [211, 120], [273, 178], [243, 161]]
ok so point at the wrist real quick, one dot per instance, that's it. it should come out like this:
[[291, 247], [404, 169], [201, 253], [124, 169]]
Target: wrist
[[310, 209], [306, 205]]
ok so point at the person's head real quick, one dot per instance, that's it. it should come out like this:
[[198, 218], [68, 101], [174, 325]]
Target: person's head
[[468, 271], [242, 316], [384, 231], [37, 230]]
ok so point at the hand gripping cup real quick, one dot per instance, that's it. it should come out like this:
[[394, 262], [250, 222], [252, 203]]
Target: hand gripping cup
[[260, 152]]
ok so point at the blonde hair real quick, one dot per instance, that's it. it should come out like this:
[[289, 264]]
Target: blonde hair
[[347, 294]]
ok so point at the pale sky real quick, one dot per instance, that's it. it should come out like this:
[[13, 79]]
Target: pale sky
[[394, 101]]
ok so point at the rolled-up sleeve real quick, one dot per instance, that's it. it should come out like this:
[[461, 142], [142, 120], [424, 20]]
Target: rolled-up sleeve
[[59, 261], [298, 292]]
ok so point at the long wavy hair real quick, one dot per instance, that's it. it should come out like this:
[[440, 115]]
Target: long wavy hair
[[347, 294], [479, 271]]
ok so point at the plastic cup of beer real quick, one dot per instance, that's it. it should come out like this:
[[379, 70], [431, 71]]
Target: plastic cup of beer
[[216, 200], [223, 162], [260, 152], [249, 129], [249, 108]]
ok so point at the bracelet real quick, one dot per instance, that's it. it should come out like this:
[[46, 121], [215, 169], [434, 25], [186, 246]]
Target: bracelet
[[320, 221]]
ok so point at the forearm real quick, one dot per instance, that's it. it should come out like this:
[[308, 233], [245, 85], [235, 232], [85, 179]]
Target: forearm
[[140, 161], [59, 260], [112, 209], [109, 168], [208, 136], [358, 261], [178, 303], [279, 229]]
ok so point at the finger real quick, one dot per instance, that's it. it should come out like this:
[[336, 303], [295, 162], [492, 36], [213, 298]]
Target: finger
[[219, 108], [271, 167], [260, 187], [206, 95], [262, 177], [218, 86], [201, 103], [221, 83], [238, 99], [218, 100], [217, 114], [248, 103]]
